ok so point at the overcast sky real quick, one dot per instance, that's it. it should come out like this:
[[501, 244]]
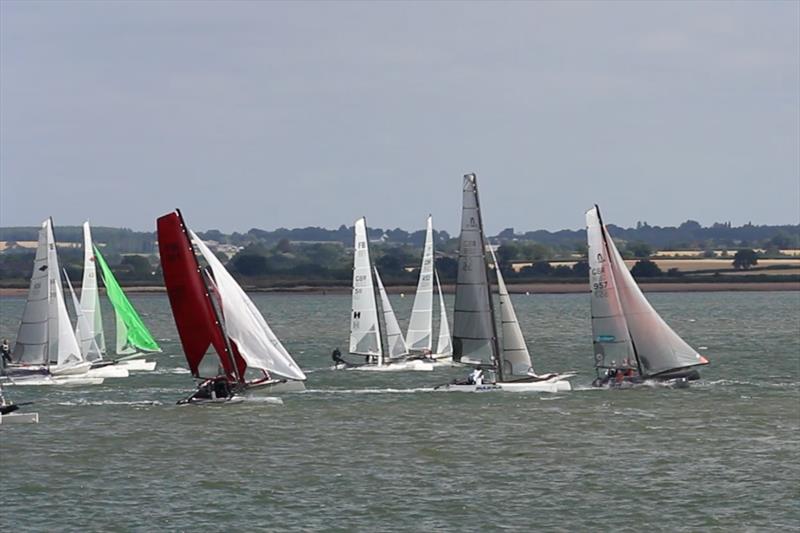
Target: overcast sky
[[269, 114]]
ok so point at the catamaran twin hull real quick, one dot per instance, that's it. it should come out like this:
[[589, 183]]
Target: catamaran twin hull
[[262, 388]]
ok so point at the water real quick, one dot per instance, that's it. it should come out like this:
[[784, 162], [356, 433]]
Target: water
[[362, 451]]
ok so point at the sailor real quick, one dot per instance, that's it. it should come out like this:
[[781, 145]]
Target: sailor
[[476, 377], [5, 351], [336, 355]]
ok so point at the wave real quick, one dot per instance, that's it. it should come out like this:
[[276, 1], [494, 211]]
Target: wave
[[82, 403]]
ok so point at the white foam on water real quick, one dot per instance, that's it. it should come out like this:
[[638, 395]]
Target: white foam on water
[[367, 391], [82, 403], [274, 400]]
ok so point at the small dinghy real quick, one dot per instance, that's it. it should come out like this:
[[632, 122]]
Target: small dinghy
[[632, 343], [9, 412], [212, 311]]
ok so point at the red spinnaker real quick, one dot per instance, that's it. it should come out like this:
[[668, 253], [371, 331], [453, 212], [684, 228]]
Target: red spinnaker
[[191, 306]]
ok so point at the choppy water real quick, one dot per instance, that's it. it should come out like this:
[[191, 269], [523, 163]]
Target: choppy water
[[367, 451]]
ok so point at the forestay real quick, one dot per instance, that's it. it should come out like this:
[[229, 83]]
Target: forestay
[[610, 338], [394, 335], [245, 325], [474, 331], [420, 326], [514, 356], [90, 329], [365, 336], [444, 346]]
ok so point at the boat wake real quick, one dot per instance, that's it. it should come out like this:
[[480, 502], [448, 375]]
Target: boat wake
[[135, 403], [273, 400], [367, 391]]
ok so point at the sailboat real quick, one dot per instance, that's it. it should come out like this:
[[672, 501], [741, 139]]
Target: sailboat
[[632, 343], [212, 311], [366, 333], [419, 336], [46, 346], [475, 337], [134, 341]]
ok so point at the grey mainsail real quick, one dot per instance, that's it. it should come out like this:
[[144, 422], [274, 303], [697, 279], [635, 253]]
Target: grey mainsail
[[474, 329], [32, 342], [365, 334]]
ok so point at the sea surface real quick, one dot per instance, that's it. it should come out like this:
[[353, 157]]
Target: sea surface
[[368, 451]]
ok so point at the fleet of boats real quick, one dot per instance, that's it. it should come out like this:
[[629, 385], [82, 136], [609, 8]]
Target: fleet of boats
[[232, 352]]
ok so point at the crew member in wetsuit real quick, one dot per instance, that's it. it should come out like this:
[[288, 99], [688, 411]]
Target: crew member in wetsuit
[[476, 377], [336, 355]]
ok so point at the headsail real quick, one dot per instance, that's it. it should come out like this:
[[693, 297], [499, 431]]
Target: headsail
[[514, 357], [32, 342], [444, 345], [245, 325], [474, 329], [63, 349], [365, 336], [90, 329], [190, 300], [394, 335], [420, 326], [610, 336], [132, 335], [91, 352]]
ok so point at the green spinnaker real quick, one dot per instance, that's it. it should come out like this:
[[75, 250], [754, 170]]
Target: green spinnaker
[[132, 334]]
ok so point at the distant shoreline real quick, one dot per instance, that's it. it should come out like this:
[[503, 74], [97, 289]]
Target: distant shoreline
[[532, 288]]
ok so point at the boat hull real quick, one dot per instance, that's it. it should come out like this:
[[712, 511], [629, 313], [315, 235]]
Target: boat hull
[[274, 386], [414, 365], [110, 371], [532, 386], [138, 365], [19, 418], [64, 381]]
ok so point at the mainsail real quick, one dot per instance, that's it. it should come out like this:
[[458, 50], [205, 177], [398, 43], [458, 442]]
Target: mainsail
[[474, 329], [610, 336], [420, 326], [32, 342], [91, 352], [514, 357], [656, 346], [133, 336], [244, 324], [90, 329], [189, 297], [443, 344], [394, 335], [365, 336]]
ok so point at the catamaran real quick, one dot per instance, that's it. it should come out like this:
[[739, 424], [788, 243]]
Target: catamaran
[[475, 337], [366, 333], [419, 336], [632, 343], [212, 310], [134, 341], [46, 347]]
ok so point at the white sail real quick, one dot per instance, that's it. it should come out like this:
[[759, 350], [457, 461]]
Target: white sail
[[610, 337], [514, 355], [32, 342], [658, 348], [245, 325], [474, 330], [90, 353], [394, 335], [420, 327], [444, 345], [365, 336], [90, 330], [63, 349]]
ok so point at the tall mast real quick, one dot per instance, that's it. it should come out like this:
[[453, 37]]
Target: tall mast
[[218, 319], [611, 271], [495, 344]]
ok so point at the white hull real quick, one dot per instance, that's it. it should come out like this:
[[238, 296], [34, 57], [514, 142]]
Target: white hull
[[536, 386], [71, 370], [19, 418], [274, 386], [415, 365], [137, 365], [110, 371], [67, 381]]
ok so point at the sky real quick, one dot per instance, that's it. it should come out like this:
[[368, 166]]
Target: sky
[[271, 114]]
